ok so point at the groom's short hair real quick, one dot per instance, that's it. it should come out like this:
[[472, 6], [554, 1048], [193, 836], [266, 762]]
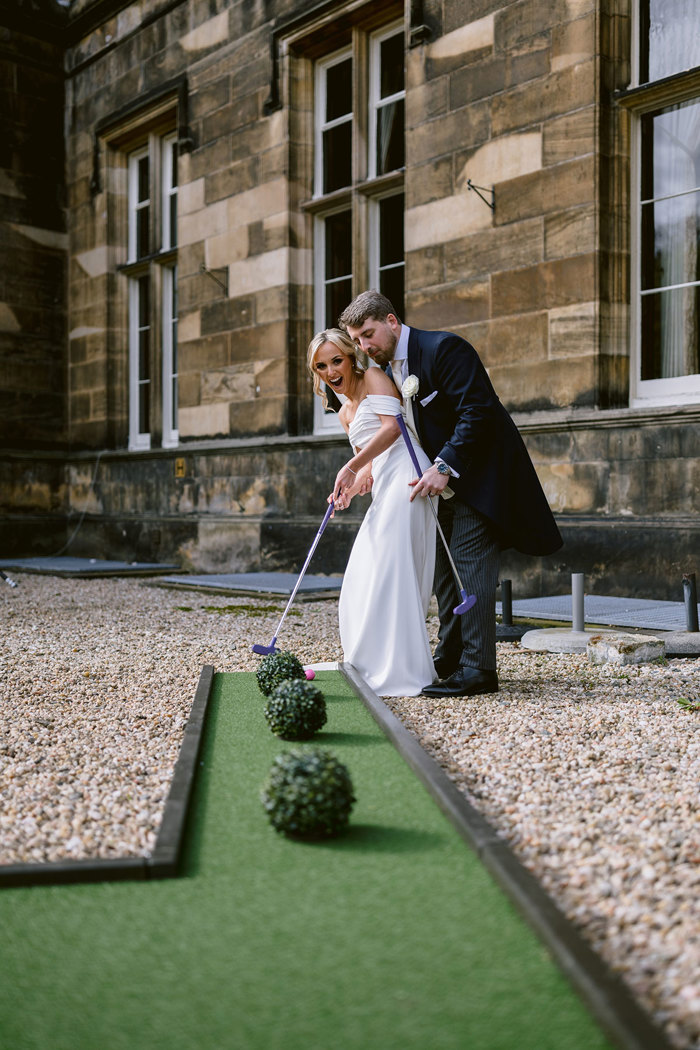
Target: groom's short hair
[[367, 304]]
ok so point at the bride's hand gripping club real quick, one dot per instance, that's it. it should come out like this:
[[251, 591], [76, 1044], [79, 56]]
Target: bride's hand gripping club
[[345, 480], [339, 502], [360, 484]]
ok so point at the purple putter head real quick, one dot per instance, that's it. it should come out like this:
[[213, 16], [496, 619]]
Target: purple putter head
[[468, 600], [265, 650]]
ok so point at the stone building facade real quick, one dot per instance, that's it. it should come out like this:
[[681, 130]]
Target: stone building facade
[[190, 188]]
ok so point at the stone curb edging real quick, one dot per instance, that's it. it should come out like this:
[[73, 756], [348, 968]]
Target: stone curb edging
[[606, 996], [165, 859]]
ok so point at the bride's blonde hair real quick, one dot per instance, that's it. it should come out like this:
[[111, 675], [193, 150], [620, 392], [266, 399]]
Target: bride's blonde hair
[[342, 341]]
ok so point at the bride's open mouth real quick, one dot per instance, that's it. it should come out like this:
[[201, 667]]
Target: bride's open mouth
[[337, 383]]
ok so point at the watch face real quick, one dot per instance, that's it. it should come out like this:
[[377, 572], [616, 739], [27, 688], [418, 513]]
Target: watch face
[[443, 468]]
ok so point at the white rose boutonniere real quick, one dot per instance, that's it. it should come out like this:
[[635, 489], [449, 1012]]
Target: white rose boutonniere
[[410, 386]]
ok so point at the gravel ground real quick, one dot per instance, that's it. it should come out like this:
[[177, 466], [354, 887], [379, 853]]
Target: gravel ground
[[591, 773]]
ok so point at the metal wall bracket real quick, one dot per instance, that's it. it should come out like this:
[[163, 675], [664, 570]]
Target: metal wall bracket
[[477, 189], [223, 284]]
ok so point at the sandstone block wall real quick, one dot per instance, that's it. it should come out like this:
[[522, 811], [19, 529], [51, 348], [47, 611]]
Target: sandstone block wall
[[237, 249], [508, 98], [33, 241]]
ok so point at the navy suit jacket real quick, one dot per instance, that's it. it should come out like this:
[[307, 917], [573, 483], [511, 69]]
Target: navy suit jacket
[[458, 417]]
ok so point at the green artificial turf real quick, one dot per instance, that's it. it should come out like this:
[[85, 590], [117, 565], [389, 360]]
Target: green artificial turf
[[391, 937]]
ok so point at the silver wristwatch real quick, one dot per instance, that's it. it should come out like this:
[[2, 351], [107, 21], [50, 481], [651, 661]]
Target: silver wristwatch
[[442, 468]]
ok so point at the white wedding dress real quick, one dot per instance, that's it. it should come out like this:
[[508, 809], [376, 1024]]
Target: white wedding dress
[[389, 577]]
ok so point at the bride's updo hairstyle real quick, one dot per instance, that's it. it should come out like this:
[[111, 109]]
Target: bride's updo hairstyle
[[347, 347]]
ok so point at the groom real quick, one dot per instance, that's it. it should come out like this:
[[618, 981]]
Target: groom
[[476, 450]]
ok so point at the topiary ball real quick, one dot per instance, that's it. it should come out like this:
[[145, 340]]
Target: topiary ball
[[276, 668], [296, 710], [309, 794]]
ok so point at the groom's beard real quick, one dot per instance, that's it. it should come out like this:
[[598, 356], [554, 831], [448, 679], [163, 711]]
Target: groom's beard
[[384, 355]]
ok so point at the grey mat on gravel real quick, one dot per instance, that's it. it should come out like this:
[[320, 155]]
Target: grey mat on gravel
[[258, 583], [85, 567], [599, 608]]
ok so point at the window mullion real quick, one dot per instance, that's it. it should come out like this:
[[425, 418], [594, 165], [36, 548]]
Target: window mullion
[[360, 97], [360, 172], [156, 229]]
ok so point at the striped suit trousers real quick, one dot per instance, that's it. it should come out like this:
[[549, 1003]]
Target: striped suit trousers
[[470, 639]]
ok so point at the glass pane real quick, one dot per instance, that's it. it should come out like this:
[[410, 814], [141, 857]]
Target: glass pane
[[337, 157], [670, 237], [144, 302], [391, 66], [173, 298], [144, 354], [338, 295], [391, 230], [671, 150], [670, 343], [173, 220], [144, 408], [173, 156], [143, 190], [670, 38], [391, 285], [339, 89], [142, 217], [173, 348], [390, 137], [174, 403], [338, 260], [174, 290], [175, 369]]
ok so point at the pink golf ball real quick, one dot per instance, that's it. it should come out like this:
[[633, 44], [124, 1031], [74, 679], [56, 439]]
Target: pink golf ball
[[310, 674]]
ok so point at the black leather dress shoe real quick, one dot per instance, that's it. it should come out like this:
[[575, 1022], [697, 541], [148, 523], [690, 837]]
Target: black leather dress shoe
[[444, 667], [466, 681]]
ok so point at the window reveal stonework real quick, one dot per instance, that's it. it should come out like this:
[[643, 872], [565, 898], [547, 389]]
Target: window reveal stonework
[[151, 273], [347, 92], [664, 104]]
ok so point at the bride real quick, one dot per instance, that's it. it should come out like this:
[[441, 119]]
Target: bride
[[388, 580]]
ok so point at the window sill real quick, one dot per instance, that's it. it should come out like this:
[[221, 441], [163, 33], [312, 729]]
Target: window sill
[[637, 415], [135, 265], [658, 93], [380, 186]]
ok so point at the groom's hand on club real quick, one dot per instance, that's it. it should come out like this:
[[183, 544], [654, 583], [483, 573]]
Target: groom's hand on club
[[431, 483]]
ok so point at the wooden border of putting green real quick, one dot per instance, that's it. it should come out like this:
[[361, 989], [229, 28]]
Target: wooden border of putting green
[[165, 860], [607, 997]]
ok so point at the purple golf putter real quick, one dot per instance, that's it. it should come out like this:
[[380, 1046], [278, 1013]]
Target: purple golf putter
[[468, 600], [263, 650]]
